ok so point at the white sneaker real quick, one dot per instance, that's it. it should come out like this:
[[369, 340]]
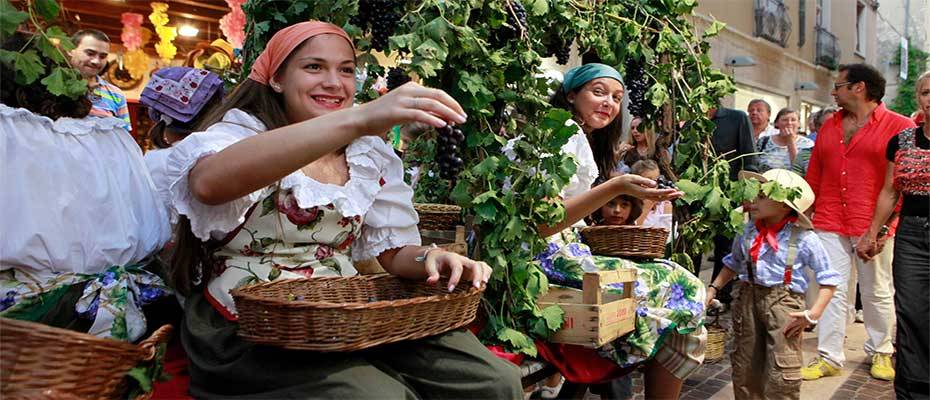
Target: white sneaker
[[859, 318], [551, 392]]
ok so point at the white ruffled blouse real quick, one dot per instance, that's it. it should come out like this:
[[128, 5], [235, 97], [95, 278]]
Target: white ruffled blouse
[[586, 172], [77, 196], [297, 226]]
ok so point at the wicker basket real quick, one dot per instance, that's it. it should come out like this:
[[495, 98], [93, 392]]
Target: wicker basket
[[438, 217], [40, 361], [716, 341], [347, 314], [628, 241]]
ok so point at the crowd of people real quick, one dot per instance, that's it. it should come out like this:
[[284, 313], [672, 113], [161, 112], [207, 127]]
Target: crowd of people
[[857, 161], [284, 177]]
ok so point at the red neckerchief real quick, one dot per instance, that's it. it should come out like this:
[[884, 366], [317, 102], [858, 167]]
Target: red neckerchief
[[768, 235]]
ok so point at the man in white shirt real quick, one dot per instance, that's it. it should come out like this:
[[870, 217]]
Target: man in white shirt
[[759, 113]]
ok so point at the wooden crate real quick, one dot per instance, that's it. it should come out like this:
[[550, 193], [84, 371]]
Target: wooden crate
[[594, 317]]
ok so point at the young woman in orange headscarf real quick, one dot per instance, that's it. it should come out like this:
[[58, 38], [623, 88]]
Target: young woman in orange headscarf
[[288, 176]]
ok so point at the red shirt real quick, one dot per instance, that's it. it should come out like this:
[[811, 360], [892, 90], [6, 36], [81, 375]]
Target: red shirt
[[847, 178]]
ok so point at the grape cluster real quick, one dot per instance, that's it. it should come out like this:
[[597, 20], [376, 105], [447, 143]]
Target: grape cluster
[[396, 77], [635, 79], [516, 23], [562, 54], [663, 183], [380, 17], [448, 150]]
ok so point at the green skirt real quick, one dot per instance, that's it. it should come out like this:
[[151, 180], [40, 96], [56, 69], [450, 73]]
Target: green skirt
[[454, 365]]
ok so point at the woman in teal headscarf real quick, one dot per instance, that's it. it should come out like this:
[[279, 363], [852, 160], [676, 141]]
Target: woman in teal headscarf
[[669, 337]]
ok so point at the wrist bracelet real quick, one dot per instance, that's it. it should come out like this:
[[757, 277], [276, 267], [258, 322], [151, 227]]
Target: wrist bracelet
[[716, 289], [807, 316], [426, 253]]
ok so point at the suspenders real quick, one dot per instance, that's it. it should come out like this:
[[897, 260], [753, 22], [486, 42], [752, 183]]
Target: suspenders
[[789, 261]]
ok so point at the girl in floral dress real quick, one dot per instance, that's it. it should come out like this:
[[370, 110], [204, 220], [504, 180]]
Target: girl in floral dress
[[289, 180], [669, 336]]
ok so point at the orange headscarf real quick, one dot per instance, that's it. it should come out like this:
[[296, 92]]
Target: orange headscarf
[[285, 41]]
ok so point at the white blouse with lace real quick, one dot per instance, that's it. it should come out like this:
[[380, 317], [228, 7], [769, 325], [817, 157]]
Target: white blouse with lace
[[586, 172], [77, 196], [297, 226]]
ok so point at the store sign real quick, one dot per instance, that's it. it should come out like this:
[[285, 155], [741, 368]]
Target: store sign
[[902, 73]]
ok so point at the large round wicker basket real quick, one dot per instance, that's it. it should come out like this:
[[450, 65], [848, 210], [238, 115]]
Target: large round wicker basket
[[438, 217], [352, 313], [627, 241], [40, 361]]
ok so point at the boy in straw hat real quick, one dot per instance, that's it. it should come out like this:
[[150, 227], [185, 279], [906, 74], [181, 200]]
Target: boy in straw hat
[[769, 313]]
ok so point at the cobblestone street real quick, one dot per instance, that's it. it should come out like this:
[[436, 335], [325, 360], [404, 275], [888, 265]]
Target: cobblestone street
[[712, 381]]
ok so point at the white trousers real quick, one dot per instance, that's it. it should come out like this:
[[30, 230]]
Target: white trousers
[[876, 289]]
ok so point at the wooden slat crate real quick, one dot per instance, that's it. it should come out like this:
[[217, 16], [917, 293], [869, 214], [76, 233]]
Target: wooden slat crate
[[593, 316]]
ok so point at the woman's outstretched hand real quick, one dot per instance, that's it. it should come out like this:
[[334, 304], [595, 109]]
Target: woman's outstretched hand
[[408, 104], [456, 267], [643, 188]]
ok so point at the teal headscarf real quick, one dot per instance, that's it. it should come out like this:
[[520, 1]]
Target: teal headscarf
[[578, 76]]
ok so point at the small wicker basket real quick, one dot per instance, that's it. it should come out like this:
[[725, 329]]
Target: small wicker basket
[[40, 361], [716, 342], [438, 217], [628, 241], [352, 313]]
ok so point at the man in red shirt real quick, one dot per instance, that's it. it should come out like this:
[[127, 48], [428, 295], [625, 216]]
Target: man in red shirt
[[846, 172]]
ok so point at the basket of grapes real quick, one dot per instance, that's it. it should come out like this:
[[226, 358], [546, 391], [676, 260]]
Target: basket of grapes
[[351, 313]]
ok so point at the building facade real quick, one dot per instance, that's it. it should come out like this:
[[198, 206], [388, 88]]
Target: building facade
[[787, 51], [897, 20]]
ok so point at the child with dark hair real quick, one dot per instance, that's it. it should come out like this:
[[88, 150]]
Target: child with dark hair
[[622, 210]]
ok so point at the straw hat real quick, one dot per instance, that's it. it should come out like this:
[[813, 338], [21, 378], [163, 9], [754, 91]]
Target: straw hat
[[788, 179]]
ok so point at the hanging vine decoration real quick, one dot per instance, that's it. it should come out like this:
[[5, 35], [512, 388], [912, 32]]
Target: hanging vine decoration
[[166, 34]]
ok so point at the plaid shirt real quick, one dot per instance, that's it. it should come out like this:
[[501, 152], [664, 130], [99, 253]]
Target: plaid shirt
[[109, 101]]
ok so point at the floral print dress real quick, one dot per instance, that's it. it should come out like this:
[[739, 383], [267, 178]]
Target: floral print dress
[[669, 299], [282, 240]]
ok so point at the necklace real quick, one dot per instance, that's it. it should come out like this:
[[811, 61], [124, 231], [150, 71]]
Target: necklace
[[865, 121]]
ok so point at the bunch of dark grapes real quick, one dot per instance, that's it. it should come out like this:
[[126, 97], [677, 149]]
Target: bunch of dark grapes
[[380, 17], [449, 144], [562, 54], [396, 77], [516, 23], [560, 48], [635, 80], [664, 183]]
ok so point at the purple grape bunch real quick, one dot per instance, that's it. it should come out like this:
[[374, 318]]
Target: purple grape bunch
[[449, 143], [380, 17]]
